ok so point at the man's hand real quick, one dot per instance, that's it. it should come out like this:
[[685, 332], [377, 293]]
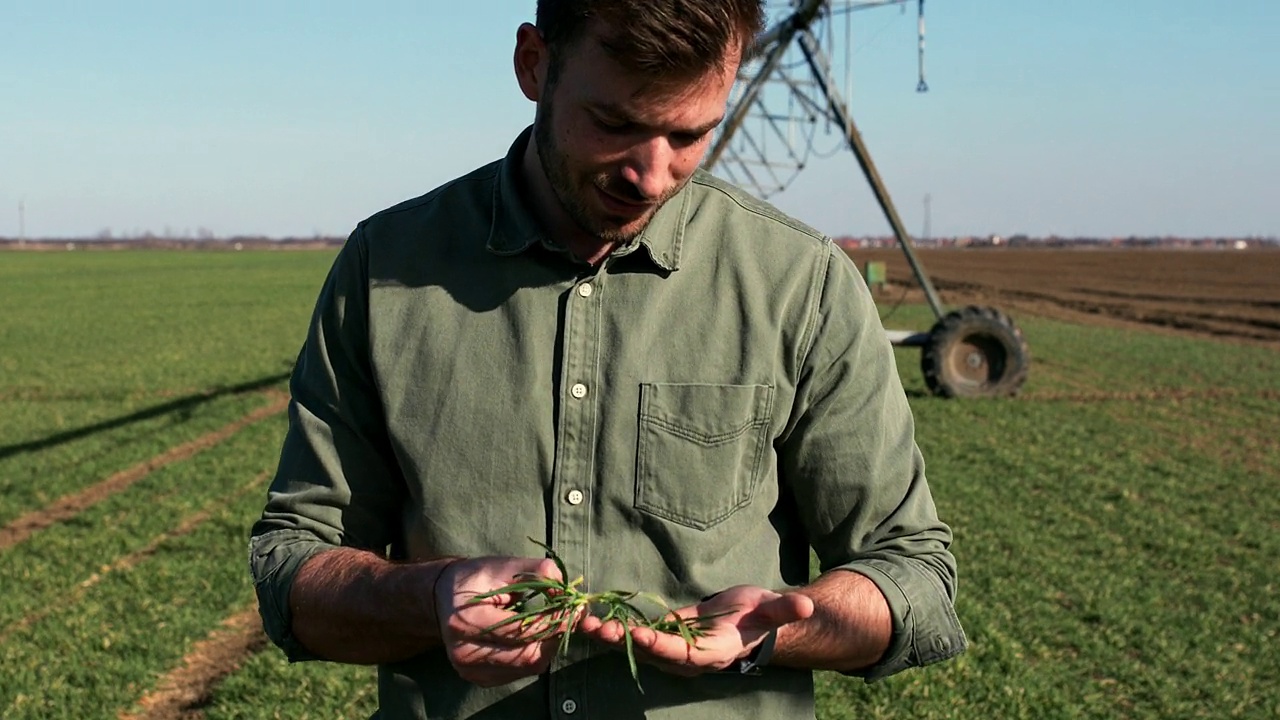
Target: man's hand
[[504, 654], [751, 613]]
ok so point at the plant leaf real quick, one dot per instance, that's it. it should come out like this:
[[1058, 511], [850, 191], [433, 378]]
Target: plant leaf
[[518, 617], [564, 573], [631, 659], [536, 586]]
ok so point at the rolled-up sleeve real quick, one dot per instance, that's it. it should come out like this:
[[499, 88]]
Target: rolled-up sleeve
[[851, 460], [337, 484]]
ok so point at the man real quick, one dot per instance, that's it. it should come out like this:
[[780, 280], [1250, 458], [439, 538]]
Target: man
[[592, 344]]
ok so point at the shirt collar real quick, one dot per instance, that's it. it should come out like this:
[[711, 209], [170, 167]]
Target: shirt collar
[[513, 228]]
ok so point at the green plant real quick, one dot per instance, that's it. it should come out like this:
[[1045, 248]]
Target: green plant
[[553, 607]]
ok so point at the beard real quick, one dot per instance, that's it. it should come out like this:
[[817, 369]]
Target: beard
[[575, 191]]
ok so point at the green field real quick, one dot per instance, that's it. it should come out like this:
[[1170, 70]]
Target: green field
[[1117, 526]]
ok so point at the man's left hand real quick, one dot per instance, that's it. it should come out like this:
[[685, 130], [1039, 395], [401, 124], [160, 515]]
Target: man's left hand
[[750, 614]]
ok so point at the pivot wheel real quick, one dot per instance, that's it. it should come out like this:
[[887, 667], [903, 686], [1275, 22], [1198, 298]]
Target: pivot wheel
[[975, 352]]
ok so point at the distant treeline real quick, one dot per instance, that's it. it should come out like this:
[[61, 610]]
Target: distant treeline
[[884, 241], [156, 243]]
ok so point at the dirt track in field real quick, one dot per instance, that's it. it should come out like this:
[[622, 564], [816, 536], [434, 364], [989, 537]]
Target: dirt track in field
[[1224, 294], [126, 562], [71, 505], [185, 691]]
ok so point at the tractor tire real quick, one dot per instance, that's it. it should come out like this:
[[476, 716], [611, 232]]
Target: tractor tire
[[975, 352]]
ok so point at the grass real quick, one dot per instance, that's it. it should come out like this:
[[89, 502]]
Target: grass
[[99, 651], [1116, 526], [1116, 552], [143, 520], [33, 477]]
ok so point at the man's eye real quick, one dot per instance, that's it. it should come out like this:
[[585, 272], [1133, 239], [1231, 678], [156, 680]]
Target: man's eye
[[613, 126]]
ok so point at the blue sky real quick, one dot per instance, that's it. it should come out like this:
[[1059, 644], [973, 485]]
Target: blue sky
[[1088, 117]]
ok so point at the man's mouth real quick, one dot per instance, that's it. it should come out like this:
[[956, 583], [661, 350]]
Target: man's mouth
[[615, 204]]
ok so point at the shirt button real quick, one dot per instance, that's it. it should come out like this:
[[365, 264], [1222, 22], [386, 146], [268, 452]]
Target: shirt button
[[585, 290], [575, 497], [578, 390], [569, 706]]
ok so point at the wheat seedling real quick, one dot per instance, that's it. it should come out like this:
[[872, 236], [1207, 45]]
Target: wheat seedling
[[551, 607]]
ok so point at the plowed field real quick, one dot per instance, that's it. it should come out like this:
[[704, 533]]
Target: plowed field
[[1233, 295]]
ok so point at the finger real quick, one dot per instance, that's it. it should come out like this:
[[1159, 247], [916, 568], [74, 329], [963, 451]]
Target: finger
[[546, 567], [660, 646], [778, 611], [467, 598], [589, 624], [597, 629], [486, 651], [490, 666], [611, 632], [495, 626]]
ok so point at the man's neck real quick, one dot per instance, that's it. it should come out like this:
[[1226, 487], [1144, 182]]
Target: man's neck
[[547, 210]]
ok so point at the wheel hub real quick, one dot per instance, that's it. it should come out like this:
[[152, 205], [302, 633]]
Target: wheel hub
[[974, 352], [978, 360]]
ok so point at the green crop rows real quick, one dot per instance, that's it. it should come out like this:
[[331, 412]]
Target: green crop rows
[[1117, 526]]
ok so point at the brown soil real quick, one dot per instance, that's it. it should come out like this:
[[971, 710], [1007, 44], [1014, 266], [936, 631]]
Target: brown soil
[[1225, 294], [69, 506], [181, 694]]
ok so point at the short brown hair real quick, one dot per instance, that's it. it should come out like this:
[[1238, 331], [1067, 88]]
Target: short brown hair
[[654, 38]]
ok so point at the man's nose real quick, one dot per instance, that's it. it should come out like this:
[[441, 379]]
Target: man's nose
[[648, 167]]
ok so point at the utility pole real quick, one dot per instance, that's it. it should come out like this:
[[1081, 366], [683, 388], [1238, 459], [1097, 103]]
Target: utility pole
[[22, 225], [927, 218]]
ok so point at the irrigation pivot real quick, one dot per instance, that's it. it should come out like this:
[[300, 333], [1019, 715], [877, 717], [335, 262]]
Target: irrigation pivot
[[787, 87]]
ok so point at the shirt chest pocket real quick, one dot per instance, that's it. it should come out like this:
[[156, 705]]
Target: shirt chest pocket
[[700, 450]]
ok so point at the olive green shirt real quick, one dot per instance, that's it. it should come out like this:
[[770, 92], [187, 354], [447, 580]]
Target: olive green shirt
[[698, 411]]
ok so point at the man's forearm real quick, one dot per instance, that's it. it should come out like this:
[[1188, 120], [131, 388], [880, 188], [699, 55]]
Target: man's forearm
[[850, 629], [353, 606]]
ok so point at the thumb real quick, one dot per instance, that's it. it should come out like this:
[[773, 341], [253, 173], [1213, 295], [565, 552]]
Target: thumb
[[546, 567], [783, 609]]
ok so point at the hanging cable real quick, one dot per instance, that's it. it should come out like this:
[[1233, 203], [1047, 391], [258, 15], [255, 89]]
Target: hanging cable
[[922, 86]]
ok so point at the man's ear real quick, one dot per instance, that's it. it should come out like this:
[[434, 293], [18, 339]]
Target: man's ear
[[532, 59]]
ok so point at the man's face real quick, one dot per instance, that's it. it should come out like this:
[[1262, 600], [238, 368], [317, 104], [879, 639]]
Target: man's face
[[614, 148]]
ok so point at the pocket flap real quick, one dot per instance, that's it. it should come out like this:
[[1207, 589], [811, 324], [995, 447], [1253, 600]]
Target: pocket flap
[[705, 413]]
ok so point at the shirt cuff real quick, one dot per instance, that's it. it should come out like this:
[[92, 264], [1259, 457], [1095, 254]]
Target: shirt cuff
[[925, 627], [274, 560]]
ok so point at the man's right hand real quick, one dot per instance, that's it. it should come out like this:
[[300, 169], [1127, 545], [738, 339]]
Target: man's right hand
[[504, 654]]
